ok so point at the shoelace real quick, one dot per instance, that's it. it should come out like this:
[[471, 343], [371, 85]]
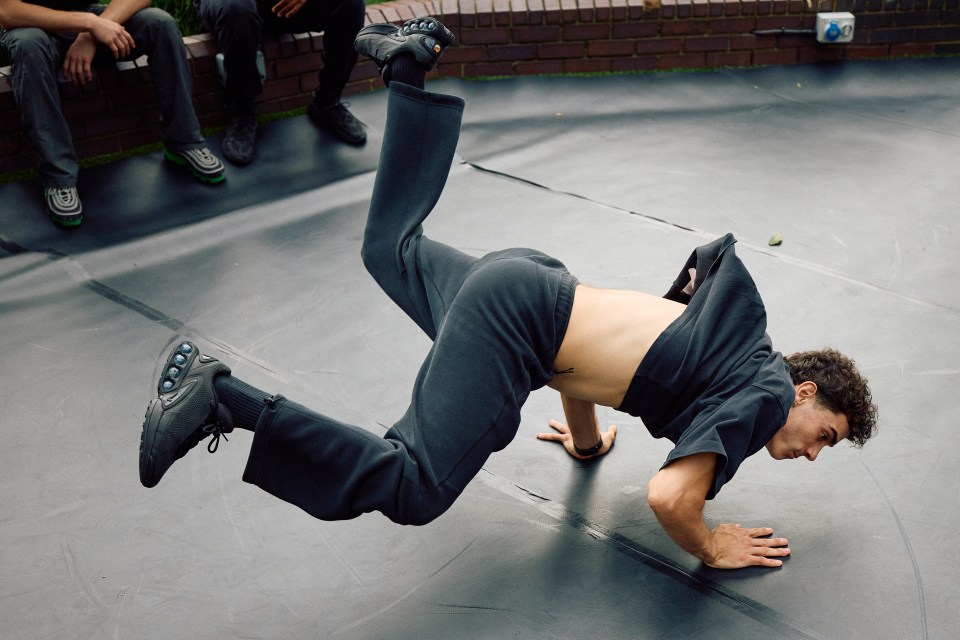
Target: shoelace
[[212, 427], [204, 154], [64, 194], [217, 434]]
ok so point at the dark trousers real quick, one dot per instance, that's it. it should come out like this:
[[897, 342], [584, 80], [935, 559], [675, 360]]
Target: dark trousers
[[238, 25], [496, 323]]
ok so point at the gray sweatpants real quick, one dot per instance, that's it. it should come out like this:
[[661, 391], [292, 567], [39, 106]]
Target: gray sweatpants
[[496, 323], [37, 56]]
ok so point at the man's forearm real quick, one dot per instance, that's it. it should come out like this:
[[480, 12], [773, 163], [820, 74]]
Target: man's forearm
[[677, 495], [685, 526], [581, 418]]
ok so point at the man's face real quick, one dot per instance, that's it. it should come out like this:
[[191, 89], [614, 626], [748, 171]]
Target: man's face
[[809, 428]]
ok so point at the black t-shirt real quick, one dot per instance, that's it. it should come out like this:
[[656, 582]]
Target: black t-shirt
[[712, 382]]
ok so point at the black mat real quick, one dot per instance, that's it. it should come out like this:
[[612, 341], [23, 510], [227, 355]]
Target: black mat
[[618, 176]]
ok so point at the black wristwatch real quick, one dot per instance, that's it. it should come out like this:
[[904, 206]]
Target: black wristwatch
[[591, 451]]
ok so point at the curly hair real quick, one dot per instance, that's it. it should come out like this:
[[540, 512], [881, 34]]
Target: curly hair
[[840, 388]]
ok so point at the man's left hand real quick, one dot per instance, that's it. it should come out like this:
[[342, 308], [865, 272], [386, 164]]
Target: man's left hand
[[564, 437]]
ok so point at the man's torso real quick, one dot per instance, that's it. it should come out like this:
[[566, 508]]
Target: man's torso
[[608, 335]]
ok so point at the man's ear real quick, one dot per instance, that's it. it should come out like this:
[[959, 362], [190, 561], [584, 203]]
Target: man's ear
[[805, 390]]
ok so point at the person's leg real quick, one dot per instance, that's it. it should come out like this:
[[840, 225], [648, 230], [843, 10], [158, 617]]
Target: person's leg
[[498, 343], [340, 21], [35, 57], [419, 275], [156, 35], [237, 25]]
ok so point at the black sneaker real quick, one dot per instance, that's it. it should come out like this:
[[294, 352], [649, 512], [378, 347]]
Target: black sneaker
[[339, 121], [240, 142], [204, 166], [425, 38], [184, 412], [63, 205]]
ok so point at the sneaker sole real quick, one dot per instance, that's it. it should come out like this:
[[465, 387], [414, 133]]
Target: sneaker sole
[[150, 434], [64, 221], [150, 421], [180, 162]]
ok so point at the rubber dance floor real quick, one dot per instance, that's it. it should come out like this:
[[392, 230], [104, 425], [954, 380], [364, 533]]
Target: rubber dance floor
[[855, 166]]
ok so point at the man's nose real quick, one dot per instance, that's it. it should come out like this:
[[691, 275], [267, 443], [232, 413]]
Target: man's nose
[[812, 452]]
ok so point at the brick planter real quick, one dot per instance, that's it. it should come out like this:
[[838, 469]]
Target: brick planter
[[511, 37]]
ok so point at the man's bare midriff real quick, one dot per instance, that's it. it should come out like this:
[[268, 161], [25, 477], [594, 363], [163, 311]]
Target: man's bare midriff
[[609, 333]]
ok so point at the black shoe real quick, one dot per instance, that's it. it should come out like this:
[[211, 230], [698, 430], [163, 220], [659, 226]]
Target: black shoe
[[240, 142], [339, 121], [200, 162], [425, 38], [184, 412], [63, 205]]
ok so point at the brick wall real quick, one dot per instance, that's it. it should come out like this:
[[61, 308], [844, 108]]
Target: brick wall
[[511, 37]]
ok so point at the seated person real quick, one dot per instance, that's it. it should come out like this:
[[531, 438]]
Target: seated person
[[238, 25], [696, 365], [44, 37]]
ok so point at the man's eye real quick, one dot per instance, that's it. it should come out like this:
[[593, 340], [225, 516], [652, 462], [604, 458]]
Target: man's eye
[[823, 436]]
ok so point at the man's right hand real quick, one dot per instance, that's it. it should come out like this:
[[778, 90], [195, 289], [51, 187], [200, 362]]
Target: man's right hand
[[732, 547]]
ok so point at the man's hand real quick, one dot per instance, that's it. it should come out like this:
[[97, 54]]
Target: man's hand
[[693, 278], [731, 547], [114, 35], [78, 64], [287, 8], [564, 437]]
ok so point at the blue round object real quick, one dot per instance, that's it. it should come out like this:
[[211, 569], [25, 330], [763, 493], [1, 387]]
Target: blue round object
[[832, 32]]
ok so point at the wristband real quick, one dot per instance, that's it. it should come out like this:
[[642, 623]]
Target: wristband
[[591, 451]]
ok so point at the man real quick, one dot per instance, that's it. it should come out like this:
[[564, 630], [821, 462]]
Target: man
[[43, 37], [696, 366], [238, 25]]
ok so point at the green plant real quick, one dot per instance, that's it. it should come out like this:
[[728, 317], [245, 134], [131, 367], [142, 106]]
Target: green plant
[[183, 12]]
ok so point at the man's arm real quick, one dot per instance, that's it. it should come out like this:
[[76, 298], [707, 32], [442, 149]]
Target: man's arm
[[106, 28], [15, 14], [677, 495], [582, 429], [78, 63]]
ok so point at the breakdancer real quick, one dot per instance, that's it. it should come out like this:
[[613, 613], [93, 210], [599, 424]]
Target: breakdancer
[[696, 365]]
